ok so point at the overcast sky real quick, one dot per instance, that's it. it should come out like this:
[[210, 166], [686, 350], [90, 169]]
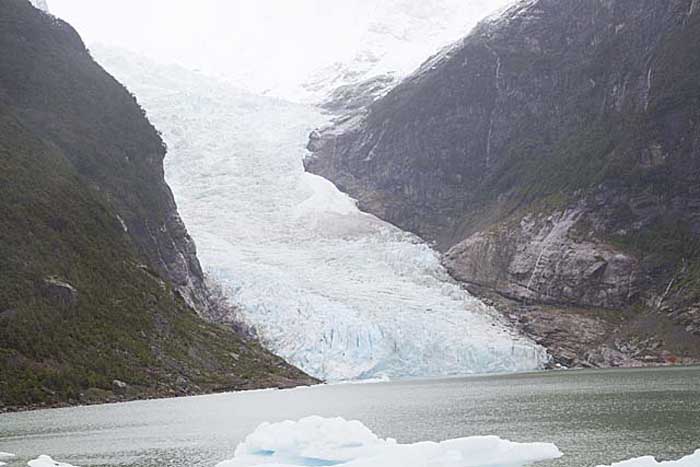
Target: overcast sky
[[219, 35], [246, 38]]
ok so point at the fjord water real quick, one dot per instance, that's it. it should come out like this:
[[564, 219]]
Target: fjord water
[[337, 292], [594, 417]]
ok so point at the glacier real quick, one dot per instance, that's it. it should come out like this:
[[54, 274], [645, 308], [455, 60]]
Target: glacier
[[335, 291], [316, 441]]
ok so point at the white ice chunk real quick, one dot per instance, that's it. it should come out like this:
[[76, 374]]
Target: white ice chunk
[[46, 461], [5, 456], [692, 460], [316, 441], [324, 198]]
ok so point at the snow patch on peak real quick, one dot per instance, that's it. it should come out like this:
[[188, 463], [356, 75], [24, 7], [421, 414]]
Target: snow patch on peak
[[40, 4], [510, 12], [391, 38], [316, 441]]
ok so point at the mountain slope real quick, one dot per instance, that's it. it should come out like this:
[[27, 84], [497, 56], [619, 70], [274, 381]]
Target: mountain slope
[[553, 156], [98, 273]]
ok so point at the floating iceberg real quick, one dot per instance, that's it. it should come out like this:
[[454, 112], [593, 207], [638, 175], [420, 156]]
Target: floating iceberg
[[692, 460], [316, 441], [5, 456], [46, 461]]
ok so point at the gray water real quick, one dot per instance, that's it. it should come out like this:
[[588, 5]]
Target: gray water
[[593, 416]]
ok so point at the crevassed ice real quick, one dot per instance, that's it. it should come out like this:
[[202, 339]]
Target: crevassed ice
[[316, 441], [692, 460], [335, 291]]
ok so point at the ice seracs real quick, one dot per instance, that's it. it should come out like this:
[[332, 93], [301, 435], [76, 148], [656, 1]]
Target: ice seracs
[[316, 441], [692, 460]]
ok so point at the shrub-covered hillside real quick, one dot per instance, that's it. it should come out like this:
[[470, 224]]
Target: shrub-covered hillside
[[98, 279]]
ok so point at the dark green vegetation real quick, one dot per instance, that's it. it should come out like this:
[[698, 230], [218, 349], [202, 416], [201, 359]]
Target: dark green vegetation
[[90, 287], [553, 155]]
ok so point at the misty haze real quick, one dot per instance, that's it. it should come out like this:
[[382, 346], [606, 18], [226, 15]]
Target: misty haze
[[387, 233]]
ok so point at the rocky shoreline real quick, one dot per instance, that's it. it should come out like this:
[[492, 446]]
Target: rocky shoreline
[[121, 394], [579, 337]]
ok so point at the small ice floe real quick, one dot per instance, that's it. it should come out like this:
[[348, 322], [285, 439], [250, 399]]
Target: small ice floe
[[317, 441], [5, 456], [382, 379], [692, 460], [46, 461]]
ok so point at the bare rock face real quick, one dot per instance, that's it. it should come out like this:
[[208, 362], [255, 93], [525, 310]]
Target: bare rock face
[[544, 259], [59, 292], [553, 155]]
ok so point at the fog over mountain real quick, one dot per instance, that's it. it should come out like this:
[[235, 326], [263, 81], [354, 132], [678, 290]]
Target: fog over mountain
[[487, 209], [272, 46]]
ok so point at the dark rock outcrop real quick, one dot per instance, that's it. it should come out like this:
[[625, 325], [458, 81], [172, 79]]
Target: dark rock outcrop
[[553, 155], [59, 292]]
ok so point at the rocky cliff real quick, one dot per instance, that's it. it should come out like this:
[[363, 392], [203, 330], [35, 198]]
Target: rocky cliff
[[553, 155], [99, 279]]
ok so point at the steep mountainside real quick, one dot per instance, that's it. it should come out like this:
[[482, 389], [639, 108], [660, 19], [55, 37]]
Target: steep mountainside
[[553, 155], [98, 276]]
